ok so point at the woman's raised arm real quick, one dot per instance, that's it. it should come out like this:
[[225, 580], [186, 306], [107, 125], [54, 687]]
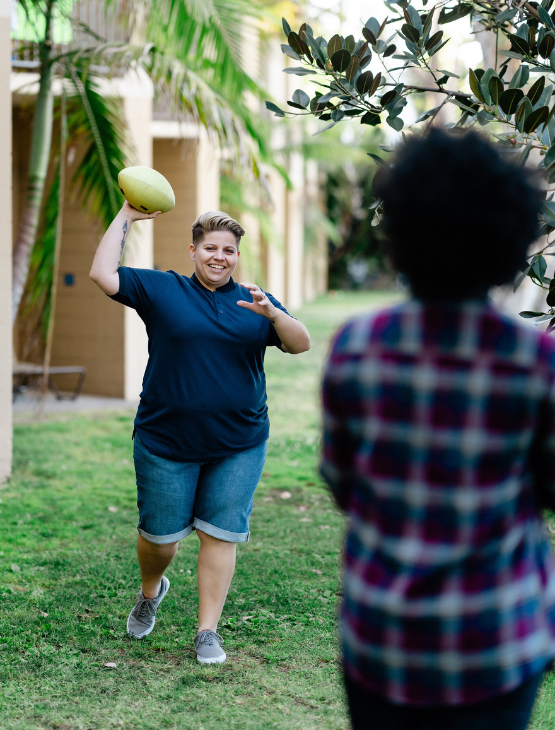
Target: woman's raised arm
[[107, 260]]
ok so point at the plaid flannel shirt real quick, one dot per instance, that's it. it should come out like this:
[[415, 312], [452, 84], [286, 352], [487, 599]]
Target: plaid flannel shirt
[[439, 443]]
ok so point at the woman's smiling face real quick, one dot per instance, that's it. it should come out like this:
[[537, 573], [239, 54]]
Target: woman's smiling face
[[215, 258]]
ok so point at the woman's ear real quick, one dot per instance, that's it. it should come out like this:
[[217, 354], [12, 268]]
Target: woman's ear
[[192, 251]]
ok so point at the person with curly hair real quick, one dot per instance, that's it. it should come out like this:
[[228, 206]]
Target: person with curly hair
[[439, 445]]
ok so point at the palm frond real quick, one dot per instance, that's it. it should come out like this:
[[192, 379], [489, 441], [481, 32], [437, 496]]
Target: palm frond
[[95, 120], [208, 37], [192, 97]]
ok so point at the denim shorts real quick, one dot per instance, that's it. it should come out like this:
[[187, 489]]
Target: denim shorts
[[174, 498]]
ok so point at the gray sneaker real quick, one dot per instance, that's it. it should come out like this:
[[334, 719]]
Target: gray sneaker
[[142, 618], [208, 645]]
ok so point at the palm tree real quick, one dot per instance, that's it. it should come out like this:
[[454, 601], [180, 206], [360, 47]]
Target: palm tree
[[191, 51]]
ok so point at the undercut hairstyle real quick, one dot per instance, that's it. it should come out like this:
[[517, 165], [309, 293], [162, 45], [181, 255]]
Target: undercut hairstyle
[[458, 215], [216, 220]]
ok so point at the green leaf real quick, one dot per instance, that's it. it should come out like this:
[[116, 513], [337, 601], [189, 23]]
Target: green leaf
[[520, 77], [484, 84], [334, 44], [373, 25], [382, 26], [370, 118], [535, 91], [411, 32], [301, 97], [364, 82], [529, 315], [434, 40], [286, 27], [509, 99], [544, 17], [288, 51], [314, 47], [273, 108], [521, 277], [539, 267], [299, 71], [352, 68], [428, 23], [395, 122], [337, 115], [390, 50], [545, 48], [295, 43], [448, 73], [475, 85], [329, 126], [362, 50], [512, 54], [341, 60], [381, 162], [350, 43], [375, 83], [435, 49], [427, 114], [388, 97], [370, 37], [518, 44], [523, 111], [496, 88], [508, 14], [458, 12], [549, 158], [548, 211], [415, 18]]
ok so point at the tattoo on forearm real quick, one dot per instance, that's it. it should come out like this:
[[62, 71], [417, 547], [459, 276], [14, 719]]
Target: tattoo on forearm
[[124, 231]]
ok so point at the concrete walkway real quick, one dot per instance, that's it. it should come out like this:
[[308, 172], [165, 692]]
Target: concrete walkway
[[28, 405]]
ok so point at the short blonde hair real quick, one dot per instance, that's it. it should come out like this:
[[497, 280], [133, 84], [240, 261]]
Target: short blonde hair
[[216, 220]]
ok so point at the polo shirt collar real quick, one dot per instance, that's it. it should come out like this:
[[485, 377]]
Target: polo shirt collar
[[230, 286]]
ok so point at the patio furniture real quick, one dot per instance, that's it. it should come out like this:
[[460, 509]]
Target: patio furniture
[[25, 373]]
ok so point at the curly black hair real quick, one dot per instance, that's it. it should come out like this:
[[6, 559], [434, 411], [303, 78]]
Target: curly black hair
[[458, 215]]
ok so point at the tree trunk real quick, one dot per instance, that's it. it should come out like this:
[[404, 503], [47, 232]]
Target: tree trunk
[[57, 247], [38, 166]]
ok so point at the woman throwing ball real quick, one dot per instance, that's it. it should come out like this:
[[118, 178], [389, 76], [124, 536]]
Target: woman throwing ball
[[202, 425]]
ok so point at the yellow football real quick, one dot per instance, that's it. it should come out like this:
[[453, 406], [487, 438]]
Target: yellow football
[[146, 189]]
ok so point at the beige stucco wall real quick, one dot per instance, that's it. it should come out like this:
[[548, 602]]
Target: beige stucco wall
[[5, 245], [191, 165]]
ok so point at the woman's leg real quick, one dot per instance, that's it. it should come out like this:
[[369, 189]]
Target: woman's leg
[[153, 561], [216, 565]]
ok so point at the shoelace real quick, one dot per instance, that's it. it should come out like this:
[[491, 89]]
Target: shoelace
[[143, 608], [207, 637]]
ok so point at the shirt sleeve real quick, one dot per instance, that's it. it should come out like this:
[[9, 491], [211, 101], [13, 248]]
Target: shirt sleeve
[[343, 414], [542, 453], [273, 338], [139, 288]]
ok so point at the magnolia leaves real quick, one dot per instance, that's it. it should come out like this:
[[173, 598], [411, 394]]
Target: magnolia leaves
[[367, 84], [300, 99], [341, 60]]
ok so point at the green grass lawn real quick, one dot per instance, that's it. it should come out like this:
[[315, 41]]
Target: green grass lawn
[[68, 578]]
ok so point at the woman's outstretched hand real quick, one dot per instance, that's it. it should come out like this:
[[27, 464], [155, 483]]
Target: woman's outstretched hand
[[260, 303], [293, 335]]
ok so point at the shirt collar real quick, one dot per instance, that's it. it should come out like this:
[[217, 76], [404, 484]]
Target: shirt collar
[[222, 289]]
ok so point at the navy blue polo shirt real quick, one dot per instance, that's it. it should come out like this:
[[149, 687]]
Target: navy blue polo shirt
[[204, 388]]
